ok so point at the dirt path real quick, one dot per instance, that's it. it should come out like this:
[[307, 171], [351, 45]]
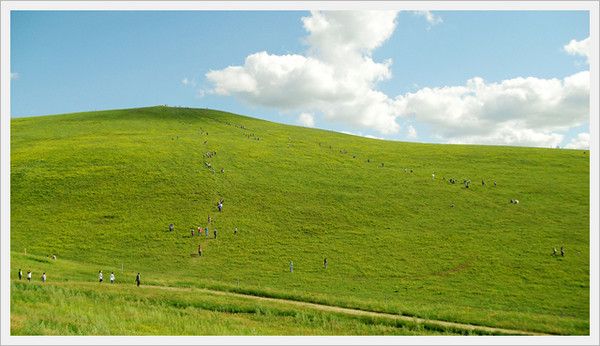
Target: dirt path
[[357, 312]]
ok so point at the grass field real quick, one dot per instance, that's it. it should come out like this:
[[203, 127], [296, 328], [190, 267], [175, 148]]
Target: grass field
[[99, 190]]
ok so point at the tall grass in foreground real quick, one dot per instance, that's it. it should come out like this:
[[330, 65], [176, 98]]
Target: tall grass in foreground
[[86, 309]]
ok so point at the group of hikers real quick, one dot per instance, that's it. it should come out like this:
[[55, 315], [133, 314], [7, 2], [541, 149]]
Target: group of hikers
[[112, 278], [100, 277], [205, 232], [29, 275], [205, 229]]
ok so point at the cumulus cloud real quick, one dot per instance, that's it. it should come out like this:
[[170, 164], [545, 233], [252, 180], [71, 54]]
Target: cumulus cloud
[[581, 48], [581, 141], [336, 77], [14, 75], [431, 18], [306, 119], [520, 111]]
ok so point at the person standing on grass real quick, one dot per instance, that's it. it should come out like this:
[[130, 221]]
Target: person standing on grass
[[20, 274], [171, 227], [100, 276], [29, 275], [200, 249], [215, 233], [43, 277], [325, 263], [137, 280], [112, 277], [199, 231], [206, 232], [192, 231], [562, 251], [235, 231], [291, 267]]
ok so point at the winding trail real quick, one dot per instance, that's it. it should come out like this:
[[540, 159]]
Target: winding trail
[[357, 312]]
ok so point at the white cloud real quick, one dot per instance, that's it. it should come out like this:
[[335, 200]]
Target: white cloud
[[188, 82], [412, 132], [14, 75], [336, 77], [374, 137], [520, 111], [581, 48], [360, 134], [306, 119], [582, 141], [431, 18], [510, 133]]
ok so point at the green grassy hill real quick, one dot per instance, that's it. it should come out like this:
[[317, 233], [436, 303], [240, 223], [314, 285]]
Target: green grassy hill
[[99, 190]]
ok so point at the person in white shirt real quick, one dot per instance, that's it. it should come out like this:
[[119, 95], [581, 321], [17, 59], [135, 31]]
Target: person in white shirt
[[100, 276], [29, 275], [44, 277], [112, 278]]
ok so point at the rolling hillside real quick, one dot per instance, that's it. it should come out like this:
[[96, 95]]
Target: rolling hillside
[[99, 190]]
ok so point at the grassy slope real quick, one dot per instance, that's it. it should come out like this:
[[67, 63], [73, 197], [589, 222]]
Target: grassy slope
[[100, 189]]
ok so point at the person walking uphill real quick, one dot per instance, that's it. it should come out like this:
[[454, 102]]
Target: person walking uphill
[[137, 280], [29, 275], [215, 233], [20, 274], [100, 276], [200, 250]]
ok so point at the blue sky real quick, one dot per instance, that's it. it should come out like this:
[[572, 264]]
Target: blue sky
[[70, 61]]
